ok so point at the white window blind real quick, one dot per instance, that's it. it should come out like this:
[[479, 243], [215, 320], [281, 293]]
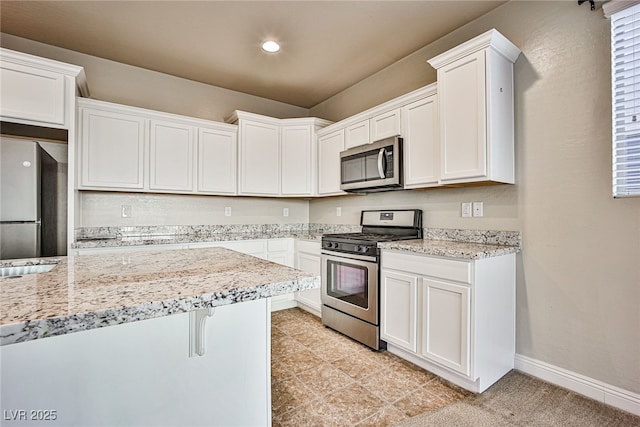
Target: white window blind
[[625, 64]]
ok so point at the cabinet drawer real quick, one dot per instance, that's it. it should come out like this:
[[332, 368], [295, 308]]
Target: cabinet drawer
[[308, 246], [278, 245], [459, 271]]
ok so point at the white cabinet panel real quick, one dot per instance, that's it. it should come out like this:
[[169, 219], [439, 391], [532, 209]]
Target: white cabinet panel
[[259, 158], [112, 150], [329, 148], [463, 127], [217, 157], [385, 125], [308, 259], [32, 94], [297, 160], [357, 134], [446, 331], [171, 156], [421, 143], [398, 308]]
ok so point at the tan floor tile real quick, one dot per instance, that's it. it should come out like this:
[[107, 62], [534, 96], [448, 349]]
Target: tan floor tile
[[289, 393], [353, 403], [281, 316], [296, 327], [413, 372], [295, 362], [330, 350], [284, 345], [276, 333], [357, 368], [314, 414], [418, 402], [446, 391], [388, 416], [324, 379], [389, 385], [315, 339]]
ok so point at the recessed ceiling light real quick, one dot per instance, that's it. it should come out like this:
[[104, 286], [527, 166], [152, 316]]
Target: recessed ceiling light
[[270, 46]]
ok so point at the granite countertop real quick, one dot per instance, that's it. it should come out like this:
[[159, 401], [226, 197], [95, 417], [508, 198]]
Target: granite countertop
[[91, 291], [160, 239], [450, 249]]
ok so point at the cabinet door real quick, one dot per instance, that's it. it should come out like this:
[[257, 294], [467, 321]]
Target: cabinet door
[[420, 132], [445, 324], [309, 263], [357, 134], [461, 92], [171, 156], [31, 94], [112, 150], [259, 158], [398, 303], [296, 145], [217, 157], [385, 125], [329, 148]]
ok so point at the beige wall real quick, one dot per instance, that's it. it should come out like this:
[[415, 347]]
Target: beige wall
[[100, 209], [578, 290], [124, 84]]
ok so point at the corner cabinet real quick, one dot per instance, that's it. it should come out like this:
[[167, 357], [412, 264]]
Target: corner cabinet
[[38, 91], [277, 157], [124, 148], [475, 91], [453, 317]]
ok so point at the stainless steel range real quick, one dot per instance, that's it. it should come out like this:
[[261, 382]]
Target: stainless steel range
[[350, 273]]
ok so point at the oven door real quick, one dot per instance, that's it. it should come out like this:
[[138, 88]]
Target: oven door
[[350, 285]]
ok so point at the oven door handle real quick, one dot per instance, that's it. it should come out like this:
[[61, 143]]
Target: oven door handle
[[348, 257]]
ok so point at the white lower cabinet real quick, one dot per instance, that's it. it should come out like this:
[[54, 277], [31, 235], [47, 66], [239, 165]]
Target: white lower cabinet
[[398, 303], [455, 318], [307, 255]]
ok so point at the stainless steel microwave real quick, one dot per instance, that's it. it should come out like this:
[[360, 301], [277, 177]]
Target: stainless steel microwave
[[372, 167]]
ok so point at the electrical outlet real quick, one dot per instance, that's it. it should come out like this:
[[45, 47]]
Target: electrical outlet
[[478, 209], [285, 212], [338, 211], [125, 211], [466, 210], [227, 211]]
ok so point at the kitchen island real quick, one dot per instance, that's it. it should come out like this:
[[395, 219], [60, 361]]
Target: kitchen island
[[145, 338]]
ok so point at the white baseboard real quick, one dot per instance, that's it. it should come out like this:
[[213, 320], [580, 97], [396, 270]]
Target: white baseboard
[[589, 387]]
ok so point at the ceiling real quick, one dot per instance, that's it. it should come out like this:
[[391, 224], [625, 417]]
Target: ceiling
[[327, 46]]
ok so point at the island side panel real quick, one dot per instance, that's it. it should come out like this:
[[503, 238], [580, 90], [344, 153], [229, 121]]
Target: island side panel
[[140, 373]]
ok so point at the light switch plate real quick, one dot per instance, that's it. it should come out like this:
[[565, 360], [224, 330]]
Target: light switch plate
[[227, 211], [338, 211], [125, 211], [285, 211], [465, 210]]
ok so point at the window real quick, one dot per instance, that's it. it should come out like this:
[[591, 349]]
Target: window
[[625, 67]]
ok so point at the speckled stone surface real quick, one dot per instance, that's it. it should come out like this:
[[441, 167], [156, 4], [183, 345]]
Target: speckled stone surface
[[491, 237], [105, 237], [450, 249], [91, 291]]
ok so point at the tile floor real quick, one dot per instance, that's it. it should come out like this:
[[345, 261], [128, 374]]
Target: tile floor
[[322, 378]]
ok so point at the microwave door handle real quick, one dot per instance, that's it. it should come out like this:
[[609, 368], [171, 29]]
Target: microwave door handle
[[381, 167]]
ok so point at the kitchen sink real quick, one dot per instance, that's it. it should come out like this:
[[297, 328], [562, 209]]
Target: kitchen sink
[[21, 270]]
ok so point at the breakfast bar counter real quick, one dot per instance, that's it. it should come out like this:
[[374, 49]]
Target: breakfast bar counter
[[177, 337]]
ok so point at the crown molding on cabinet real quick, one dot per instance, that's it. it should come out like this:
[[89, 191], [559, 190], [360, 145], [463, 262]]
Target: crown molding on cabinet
[[244, 115], [490, 39]]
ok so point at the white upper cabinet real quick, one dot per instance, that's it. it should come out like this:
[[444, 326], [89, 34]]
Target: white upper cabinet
[[475, 95], [385, 125], [298, 160], [112, 147], [217, 158], [421, 143], [357, 134], [171, 152], [329, 148], [131, 149], [38, 91], [277, 156], [368, 131], [259, 158]]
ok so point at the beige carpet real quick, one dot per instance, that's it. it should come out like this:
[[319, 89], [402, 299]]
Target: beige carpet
[[520, 400]]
